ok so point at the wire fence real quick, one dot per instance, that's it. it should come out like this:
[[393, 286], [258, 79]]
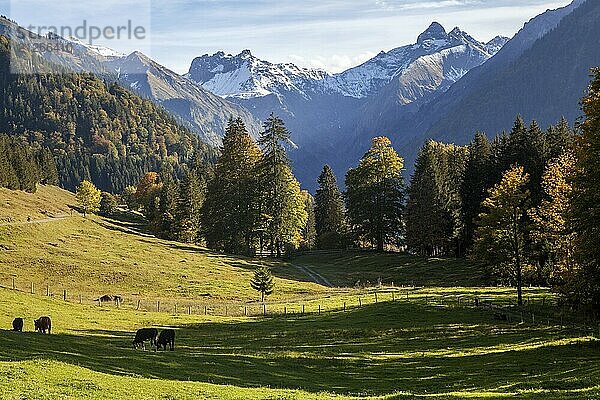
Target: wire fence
[[537, 310]]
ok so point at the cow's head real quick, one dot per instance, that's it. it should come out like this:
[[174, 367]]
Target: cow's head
[[36, 322]]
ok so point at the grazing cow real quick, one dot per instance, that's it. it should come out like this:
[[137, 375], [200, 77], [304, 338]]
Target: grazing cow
[[107, 298], [167, 337], [18, 325], [43, 324], [143, 335]]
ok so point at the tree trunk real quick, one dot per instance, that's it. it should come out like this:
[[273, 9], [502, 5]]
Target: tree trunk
[[380, 242], [519, 279]]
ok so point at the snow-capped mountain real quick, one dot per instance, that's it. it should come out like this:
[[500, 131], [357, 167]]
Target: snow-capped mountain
[[100, 50], [321, 108], [200, 110], [203, 112], [432, 46], [244, 76]]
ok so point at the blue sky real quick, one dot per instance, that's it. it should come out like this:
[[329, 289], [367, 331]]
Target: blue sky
[[329, 34]]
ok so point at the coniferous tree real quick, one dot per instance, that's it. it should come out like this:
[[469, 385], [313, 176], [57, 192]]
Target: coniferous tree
[[375, 195], [475, 184], [169, 203], [232, 211], [283, 208], [330, 215], [263, 282], [586, 199], [192, 192], [433, 214]]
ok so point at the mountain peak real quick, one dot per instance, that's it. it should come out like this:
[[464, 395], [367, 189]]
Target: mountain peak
[[245, 54], [435, 31]]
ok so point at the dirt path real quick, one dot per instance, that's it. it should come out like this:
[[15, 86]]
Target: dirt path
[[36, 221], [316, 277]]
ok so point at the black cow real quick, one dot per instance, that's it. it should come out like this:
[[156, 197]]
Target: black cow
[[143, 335], [18, 325], [167, 337], [43, 324]]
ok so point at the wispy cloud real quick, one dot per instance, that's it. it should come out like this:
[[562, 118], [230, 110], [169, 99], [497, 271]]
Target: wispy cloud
[[328, 34]]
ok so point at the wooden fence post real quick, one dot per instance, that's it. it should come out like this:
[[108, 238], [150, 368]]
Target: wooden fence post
[[158, 306], [264, 309], [65, 294], [245, 311], [13, 282], [47, 289], [226, 311], [359, 302], [138, 304], [205, 310], [189, 310], [319, 309], [344, 306], [376, 301], [32, 289], [393, 296], [302, 309], [284, 311], [79, 299]]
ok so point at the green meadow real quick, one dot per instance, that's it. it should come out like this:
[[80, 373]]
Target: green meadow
[[418, 342]]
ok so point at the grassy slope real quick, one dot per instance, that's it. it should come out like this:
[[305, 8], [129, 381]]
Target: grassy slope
[[384, 349], [349, 267], [376, 350], [96, 256], [48, 201]]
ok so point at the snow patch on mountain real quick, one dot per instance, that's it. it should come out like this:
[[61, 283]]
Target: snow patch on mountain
[[244, 76], [100, 50]]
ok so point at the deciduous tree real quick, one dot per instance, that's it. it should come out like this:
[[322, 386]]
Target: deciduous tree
[[88, 197], [500, 235], [375, 195]]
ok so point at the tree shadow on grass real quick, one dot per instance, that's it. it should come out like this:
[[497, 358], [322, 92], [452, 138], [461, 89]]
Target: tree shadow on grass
[[377, 349]]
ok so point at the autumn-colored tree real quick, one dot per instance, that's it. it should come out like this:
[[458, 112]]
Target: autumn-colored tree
[[88, 197], [147, 191], [552, 228], [500, 235]]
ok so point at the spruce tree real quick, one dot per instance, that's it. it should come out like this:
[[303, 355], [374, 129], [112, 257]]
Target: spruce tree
[[330, 214], [586, 199], [192, 192], [263, 282], [231, 213], [282, 208], [477, 179]]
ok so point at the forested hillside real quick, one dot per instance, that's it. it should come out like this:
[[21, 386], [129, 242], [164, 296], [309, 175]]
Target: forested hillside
[[22, 166], [95, 130]]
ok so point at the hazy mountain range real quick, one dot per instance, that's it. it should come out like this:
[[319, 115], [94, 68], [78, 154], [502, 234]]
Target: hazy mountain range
[[446, 85]]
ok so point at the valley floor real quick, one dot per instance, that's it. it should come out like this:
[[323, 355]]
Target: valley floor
[[422, 338]]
